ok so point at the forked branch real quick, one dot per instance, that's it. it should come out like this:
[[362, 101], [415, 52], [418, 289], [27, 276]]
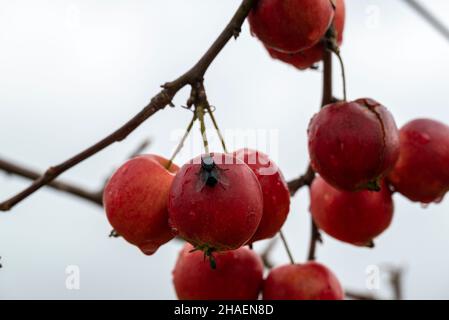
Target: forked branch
[[159, 102]]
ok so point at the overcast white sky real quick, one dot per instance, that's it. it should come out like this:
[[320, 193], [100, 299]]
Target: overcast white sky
[[72, 71]]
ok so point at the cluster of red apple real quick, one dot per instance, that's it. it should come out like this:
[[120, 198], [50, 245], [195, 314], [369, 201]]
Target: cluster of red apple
[[217, 202], [292, 31], [220, 203]]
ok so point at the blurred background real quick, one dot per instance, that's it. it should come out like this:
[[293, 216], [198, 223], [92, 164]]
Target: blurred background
[[72, 71]]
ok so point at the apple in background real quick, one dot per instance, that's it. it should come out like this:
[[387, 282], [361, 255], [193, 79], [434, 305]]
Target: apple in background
[[135, 200], [422, 171], [291, 25], [276, 196], [308, 57], [215, 203], [238, 275], [352, 217], [353, 145], [309, 281]]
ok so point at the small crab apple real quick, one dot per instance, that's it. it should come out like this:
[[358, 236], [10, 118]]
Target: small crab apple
[[215, 203], [353, 145], [352, 217], [291, 25], [308, 57], [238, 275], [135, 199], [309, 281], [276, 196], [422, 171]]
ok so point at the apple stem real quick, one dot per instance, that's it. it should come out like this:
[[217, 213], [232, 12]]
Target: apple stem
[[181, 143], [343, 74], [200, 114], [214, 121], [287, 248]]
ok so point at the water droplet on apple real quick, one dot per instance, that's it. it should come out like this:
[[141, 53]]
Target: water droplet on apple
[[421, 137], [425, 205], [439, 200]]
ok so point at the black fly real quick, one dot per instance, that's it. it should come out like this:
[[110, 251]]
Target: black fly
[[210, 174]]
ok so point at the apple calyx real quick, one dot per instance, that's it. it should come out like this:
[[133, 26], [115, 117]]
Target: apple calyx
[[208, 254]]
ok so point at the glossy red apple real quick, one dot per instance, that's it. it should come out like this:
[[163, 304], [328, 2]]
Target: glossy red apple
[[291, 25], [307, 58], [215, 203], [422, 171], [238, 275], [353, 217], [353, 145], [276, 196], [309, 281], [135, 199]]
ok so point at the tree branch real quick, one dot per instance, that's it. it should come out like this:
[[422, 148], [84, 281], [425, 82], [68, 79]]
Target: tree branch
[[315, 237], [10, 167], [13, 168], [159, 102], [305, 180], [429, 17]]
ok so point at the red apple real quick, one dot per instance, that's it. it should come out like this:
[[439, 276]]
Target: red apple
[[238, 275], [422, 171], [276, 196], [308, 57], [215, 203], [291, 25], [353, 145], [135, 199], [309, 281], [352, 217]]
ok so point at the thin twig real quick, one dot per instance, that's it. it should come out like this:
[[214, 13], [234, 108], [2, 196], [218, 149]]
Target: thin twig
[[287, 248], [429, 17], [159, 102], [395, 275], [315, 237], [215, 123], [19, 170], [140, 148], [266, 254], [181, 143], [396, 283]]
